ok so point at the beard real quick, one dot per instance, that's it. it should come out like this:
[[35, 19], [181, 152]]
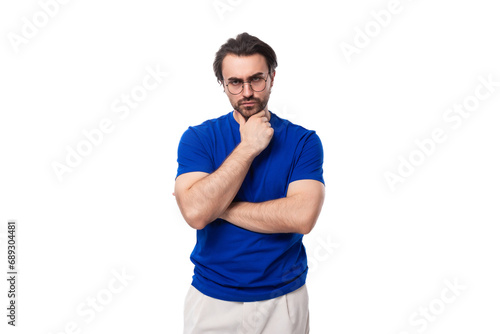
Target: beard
[[248, 111]]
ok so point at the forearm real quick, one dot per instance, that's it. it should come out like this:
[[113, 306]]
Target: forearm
[[296, 213], [284, 215], [209, 197], [203, 197]]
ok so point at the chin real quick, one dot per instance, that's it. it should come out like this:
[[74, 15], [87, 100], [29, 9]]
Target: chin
[[247, 112]]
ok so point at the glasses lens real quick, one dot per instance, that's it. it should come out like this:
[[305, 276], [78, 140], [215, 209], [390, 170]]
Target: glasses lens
[[235, 87], [258, 84]]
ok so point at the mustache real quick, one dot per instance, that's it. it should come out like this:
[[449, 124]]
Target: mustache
[[248, 100]]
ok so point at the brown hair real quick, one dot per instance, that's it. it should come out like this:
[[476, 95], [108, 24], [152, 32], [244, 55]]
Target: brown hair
[[244, 45]]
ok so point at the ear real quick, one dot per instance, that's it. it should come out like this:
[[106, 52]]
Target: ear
[[272, 78]]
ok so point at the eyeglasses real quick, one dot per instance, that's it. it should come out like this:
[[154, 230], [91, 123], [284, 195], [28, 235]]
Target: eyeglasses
[[257, 84]]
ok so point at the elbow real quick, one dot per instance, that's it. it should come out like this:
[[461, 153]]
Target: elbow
[[306, 231], [197, 225], [306, 227], [196, 220], [193, 216], [307, 224], [311, 215]]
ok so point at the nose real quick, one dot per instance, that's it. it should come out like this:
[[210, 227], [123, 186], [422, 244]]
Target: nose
[[247, 90]]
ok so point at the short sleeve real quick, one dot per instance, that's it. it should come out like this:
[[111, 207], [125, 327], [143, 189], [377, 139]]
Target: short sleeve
[[309, 164], [193, 155]]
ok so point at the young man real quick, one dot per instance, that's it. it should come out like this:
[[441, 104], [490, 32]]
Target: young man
[[251, 184]]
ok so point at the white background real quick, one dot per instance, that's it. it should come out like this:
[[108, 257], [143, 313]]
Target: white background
[[393, 250]]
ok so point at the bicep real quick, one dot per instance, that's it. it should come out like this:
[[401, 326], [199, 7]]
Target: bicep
[[309, 163], [184, 182], [310, 192], [193, 154]]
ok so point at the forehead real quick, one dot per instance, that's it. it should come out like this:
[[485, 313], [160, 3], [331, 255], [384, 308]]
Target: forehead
[[243, 66]]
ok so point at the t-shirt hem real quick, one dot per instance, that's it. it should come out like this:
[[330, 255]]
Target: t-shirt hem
[[253, 297]]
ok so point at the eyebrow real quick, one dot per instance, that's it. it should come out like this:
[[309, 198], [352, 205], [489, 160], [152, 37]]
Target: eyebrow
[[252, 76]]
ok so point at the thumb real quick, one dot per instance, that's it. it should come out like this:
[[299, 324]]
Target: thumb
[[243, 121]]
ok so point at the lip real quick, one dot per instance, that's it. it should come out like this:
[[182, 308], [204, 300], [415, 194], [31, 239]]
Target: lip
[[248, 103]]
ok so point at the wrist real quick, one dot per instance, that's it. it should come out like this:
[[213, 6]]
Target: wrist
[[247, 150], [225, 215]]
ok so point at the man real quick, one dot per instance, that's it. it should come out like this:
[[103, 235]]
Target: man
[[251, 184]]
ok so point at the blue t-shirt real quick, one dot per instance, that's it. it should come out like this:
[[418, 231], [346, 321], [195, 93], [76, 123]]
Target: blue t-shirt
[[232, 263]]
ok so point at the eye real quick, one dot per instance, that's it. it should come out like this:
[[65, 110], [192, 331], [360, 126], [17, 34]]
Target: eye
[[256, 79], [235, 82]]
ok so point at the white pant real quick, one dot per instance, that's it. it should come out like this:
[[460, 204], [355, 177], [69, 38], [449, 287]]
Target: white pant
[[287, 314]]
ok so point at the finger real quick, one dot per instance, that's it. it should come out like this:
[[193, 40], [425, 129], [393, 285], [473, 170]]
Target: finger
[[260, 113]]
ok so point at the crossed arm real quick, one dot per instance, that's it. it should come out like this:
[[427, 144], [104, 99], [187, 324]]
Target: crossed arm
[[203, 197], [295, 213]]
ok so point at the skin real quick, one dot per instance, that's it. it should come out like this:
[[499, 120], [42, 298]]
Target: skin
[[243, 68], [204, 197]]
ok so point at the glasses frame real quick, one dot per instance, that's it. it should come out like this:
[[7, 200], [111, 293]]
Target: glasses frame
[[248, 82]]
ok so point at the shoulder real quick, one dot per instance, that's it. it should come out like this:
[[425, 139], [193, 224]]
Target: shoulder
[[291, 130], [214, 122], [208, 127]]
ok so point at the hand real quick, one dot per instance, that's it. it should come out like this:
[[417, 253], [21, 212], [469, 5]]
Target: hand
[[256, 132]]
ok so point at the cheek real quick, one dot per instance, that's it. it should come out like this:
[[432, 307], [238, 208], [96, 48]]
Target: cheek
[[233, 100], [230, 97]]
